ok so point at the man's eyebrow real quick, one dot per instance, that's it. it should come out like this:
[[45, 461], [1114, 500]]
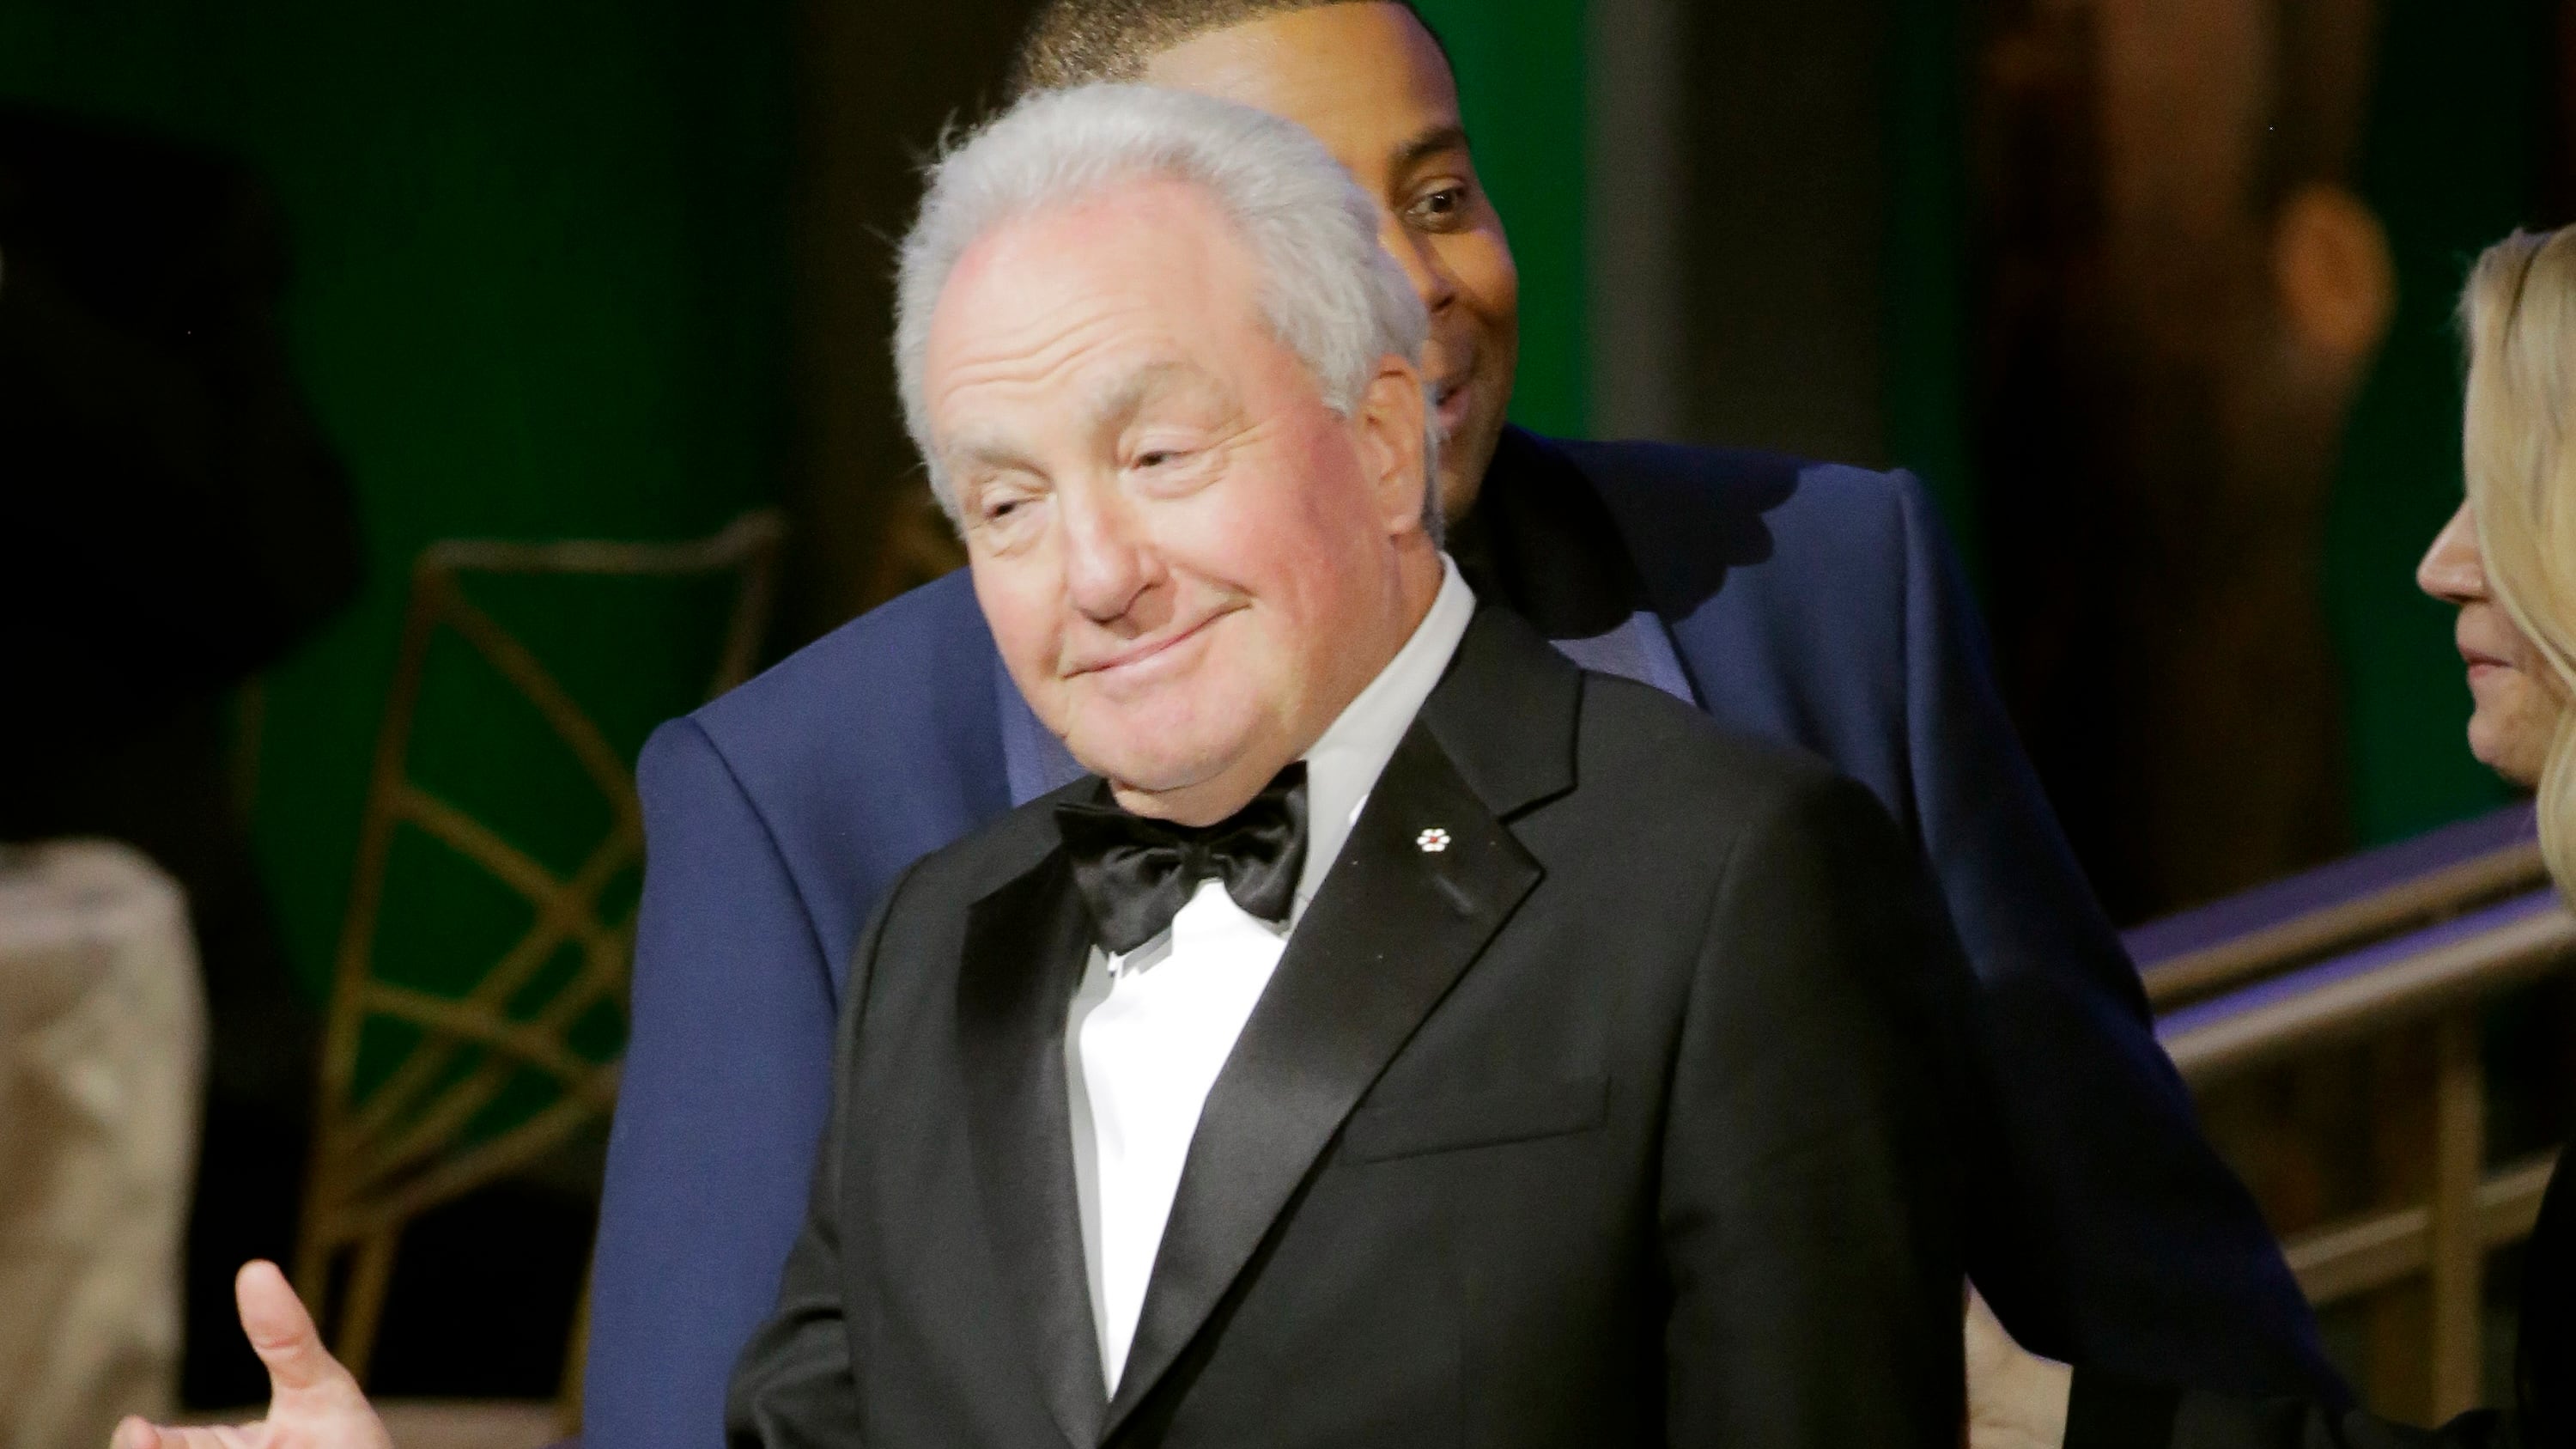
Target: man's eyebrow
[[984, 449], [1118, 401], [1429, 142], [982, 446]]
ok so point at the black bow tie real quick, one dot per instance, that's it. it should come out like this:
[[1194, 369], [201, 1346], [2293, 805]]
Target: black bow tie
[[1136, 873]]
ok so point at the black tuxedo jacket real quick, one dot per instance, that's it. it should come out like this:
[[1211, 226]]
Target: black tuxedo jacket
[[1614, 1122]]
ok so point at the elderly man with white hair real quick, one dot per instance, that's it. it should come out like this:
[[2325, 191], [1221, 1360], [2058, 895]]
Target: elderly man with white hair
[[1369, 1050]]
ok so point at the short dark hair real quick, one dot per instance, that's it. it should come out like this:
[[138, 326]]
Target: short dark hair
[[1073, 42]]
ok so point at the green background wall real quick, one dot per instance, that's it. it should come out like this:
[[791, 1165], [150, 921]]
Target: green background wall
[[538, 293]]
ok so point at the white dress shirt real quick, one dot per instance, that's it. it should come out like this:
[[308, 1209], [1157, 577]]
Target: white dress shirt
[[1149, 1030]]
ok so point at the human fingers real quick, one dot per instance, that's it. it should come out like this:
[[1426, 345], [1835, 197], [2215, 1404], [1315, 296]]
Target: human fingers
[[134, 1433], [283, 1336]]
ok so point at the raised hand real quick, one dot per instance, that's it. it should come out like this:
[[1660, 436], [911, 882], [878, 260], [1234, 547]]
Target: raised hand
[[313, 1403]]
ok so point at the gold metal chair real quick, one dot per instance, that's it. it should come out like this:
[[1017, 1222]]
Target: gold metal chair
[[417, 1129]]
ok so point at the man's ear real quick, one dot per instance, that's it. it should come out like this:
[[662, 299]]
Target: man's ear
[[1392, 417]]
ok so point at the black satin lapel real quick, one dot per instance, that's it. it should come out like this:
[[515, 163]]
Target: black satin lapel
[[1393, 927], [1025, 948], [1504, 714]]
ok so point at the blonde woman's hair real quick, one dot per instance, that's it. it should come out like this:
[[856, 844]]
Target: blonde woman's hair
[[2519, 316]]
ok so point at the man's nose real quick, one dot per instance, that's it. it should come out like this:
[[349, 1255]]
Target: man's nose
[[1421, 262], [1106, 560], [2453, 570]]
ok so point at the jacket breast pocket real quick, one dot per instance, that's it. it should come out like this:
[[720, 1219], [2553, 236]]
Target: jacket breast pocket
[[1378, 1131]]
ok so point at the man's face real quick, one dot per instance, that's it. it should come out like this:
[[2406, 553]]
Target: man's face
[[1190, 564], [1370, 82]]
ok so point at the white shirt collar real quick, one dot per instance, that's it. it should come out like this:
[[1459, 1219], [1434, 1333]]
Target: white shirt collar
[[1344, 764]]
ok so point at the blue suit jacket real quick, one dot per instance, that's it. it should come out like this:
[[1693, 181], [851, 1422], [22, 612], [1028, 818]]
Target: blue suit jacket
[[1812, 604]]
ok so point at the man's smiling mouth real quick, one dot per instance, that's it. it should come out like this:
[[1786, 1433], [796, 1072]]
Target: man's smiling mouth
[[1137, 655]]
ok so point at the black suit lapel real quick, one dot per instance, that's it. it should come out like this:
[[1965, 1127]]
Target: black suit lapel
[[1025, 948], [1429, 874]]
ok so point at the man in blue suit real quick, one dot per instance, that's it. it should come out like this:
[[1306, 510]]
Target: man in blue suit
[[1807, 603]]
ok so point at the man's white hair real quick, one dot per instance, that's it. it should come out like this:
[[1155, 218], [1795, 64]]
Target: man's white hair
[[1329, 290]]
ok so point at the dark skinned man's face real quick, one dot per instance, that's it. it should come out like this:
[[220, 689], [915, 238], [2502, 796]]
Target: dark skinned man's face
[[1370, 81]]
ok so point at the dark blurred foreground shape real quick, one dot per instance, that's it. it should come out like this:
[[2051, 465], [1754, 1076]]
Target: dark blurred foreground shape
[[171, 522]]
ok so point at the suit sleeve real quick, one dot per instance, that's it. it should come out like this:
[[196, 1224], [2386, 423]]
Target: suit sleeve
[[793, 1387], [2115, 1235], [726, 1085], [1809, 1213]]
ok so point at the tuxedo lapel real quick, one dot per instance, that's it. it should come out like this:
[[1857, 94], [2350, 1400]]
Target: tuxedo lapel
[[1024, 953], [1429, 873]]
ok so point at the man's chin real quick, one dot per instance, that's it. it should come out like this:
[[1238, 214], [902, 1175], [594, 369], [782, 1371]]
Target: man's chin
[[1166, 739], [1154, 773]]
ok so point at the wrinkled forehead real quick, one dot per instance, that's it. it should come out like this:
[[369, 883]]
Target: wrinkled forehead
[[1083, 304], [1004, 421]]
